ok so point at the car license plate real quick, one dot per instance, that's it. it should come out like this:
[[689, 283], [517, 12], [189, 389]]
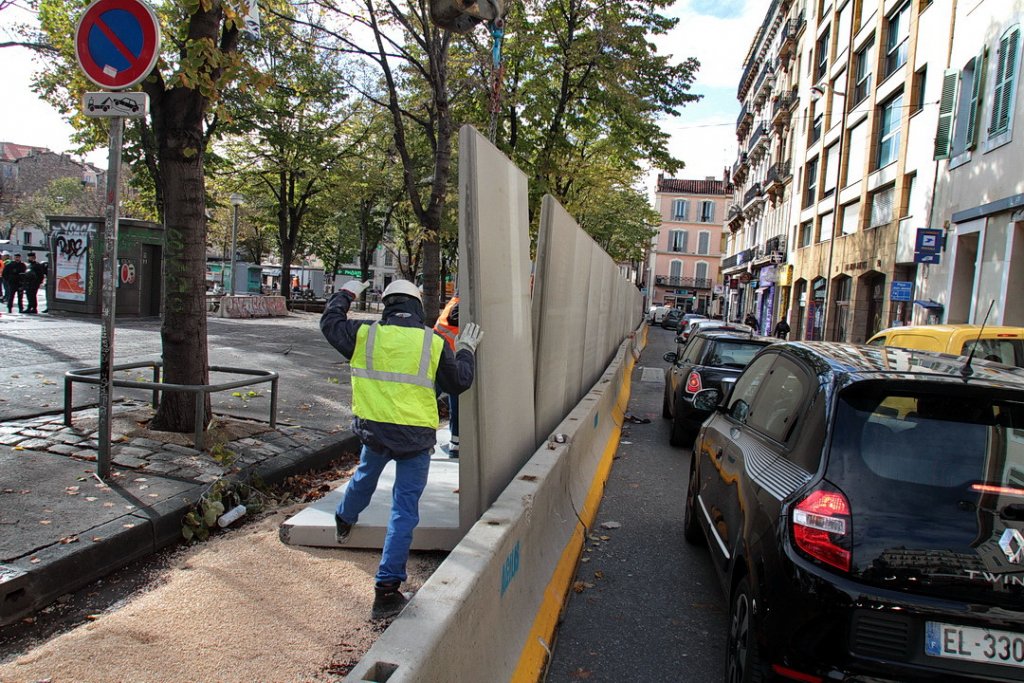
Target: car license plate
[[974, 644]]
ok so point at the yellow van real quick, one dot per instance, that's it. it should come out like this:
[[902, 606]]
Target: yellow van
[[1001, 344]]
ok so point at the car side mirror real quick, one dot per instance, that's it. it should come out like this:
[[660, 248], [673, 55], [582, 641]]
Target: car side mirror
[[670, 357], [707, 399]]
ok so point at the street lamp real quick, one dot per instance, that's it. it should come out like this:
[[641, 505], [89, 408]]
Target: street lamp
[[817, 92], [236, 201]]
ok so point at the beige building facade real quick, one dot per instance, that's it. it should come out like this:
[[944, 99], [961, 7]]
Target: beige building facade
[[684, 258]]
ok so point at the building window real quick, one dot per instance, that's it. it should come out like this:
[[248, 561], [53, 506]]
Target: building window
[[816, 121], [26, 239], [677, 241], [897, 39], [700, 272], [881, 207], [917, 89], [388, 259], [810, 182], [675, 270], [851, 218], [825, 227], [806, 228], [862, 88], [704, 243], [831, 170], [957, 131], [889, 131], [822, 55], [1007, 62], [680, 210], [707, 212]]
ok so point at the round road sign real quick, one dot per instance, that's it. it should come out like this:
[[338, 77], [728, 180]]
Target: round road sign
[[117, 42]]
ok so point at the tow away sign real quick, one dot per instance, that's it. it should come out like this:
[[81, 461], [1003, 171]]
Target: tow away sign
[[129, 104]]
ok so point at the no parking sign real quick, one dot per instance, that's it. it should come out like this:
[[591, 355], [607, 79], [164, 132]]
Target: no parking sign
[[117, 42]]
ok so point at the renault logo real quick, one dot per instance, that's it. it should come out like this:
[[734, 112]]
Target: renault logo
[[1012, 543]]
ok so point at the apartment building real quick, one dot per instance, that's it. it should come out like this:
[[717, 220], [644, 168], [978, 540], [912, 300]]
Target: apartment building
[[979, 192], [685, 255], [864, 80], [755, 275]]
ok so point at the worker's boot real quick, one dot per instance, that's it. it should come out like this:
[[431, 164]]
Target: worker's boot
[[453, 448], [342, 529], [388, 601]]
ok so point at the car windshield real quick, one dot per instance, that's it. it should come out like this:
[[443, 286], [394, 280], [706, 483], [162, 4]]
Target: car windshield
[[943, 440], [735, 354]]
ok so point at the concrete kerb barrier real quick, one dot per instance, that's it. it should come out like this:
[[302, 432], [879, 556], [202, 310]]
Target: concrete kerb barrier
[[489, 611]]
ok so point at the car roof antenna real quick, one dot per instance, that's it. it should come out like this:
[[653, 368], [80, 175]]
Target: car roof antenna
[[967, 370]]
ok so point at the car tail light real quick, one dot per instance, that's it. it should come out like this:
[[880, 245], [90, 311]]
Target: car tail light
[[822, 527], [794, 675], [693, 384]]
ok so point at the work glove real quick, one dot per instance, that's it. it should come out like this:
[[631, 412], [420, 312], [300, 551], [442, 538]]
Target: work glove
[[355, 287], [469, 337]]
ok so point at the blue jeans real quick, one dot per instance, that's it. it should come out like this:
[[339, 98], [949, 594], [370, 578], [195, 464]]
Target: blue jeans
[[410, 480]]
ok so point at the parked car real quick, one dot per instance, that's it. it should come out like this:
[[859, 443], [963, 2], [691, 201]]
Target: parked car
[[864, 511], [708, 359], [689, 318], [1002, 344], [705, 324], [671, 320], [657, 313]]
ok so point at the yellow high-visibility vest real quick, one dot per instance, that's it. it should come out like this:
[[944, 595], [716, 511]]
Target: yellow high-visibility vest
[[393, 371]]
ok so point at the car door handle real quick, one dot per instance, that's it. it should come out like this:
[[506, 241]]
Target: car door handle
[[718, 454]]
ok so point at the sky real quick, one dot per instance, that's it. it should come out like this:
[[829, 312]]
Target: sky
[[716, 32]]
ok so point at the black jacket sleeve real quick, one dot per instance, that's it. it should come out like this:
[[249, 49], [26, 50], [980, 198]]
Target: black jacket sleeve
[[455, 370], [336, 327]]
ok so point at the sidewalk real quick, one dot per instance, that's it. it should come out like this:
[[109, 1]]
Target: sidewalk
[[62, 527]]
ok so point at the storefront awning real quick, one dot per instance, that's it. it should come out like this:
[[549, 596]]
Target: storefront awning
[[932, 305]]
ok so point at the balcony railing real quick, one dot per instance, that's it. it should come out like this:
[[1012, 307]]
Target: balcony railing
[[776, 175], [739, 168], [756, 136], [689, 282], [787, 40], [729, 261], [743, 121], [750, 195], [764, 84], [782, 107]]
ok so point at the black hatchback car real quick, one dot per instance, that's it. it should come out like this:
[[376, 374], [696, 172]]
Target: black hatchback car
[[864, 510], [706, 361], [672, 318]]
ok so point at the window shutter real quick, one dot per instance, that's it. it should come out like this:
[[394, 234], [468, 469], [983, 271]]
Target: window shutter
[[944, 130], [1006, 70], [976, 90], [686, 210], [683, 242], [711, 212]]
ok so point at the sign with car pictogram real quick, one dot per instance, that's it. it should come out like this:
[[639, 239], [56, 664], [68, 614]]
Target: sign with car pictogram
[[117, 42], [107, 104]]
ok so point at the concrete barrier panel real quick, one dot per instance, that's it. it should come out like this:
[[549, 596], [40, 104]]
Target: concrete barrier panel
[[496, 416], [558, 316]]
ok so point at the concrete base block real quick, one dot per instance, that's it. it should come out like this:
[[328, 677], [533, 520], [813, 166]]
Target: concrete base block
[[252, 306], [439, 513]]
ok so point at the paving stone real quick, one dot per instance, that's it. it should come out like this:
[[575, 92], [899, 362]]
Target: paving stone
[[67, 438], [129, 461], [272, 449], [162, 456], [63, 449], [207, 478], [12, 439], [186, 473], [35, 444], [35, 433], [147, 443], [51, 427], [90, 443], [187, 461], [248, 442], [160, 467], [88, 455], [181, 449], [133, 452]]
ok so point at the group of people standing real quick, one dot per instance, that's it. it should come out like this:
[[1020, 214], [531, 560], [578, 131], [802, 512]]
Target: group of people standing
[[21, 280]]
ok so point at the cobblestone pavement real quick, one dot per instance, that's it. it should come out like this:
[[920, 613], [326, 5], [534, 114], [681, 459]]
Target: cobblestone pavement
[[49, 434]]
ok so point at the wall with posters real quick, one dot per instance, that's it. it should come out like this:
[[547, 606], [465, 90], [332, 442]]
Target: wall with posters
[[75, 284]]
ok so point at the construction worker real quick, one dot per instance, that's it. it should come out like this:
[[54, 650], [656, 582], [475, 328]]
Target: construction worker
[[447, 326], [395, 365]]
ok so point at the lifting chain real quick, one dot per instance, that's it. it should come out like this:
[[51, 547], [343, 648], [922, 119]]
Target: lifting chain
[[497, 75]]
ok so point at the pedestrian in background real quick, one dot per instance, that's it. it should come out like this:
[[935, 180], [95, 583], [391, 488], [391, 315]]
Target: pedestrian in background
[[33, 278], [397, 364], [12, 283], [5, 256], [782, 328], [447, 326], [752, 321]]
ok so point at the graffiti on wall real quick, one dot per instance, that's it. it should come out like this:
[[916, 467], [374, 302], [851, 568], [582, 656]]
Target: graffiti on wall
[[253, 306], [71, 268]]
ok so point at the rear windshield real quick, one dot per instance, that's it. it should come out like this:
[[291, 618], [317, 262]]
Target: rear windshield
[[1005, 351], [939, 440], [734, 354]]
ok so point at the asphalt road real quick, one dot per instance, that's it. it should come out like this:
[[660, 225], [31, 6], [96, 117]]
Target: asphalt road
[[649, 607], [36, 351]]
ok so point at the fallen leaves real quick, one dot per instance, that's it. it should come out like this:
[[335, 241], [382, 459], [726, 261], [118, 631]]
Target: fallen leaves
[[46, 522], [69, 539]]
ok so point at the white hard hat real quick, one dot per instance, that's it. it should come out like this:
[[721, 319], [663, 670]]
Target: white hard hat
[[402, 287]]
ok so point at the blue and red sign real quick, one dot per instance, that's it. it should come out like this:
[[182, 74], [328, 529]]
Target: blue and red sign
[[117, 42]]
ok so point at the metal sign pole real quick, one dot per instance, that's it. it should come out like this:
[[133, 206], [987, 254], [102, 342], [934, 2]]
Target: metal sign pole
[[109, 294]]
